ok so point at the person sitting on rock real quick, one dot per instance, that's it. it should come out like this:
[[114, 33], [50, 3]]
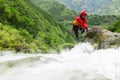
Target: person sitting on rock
[[80, 23]]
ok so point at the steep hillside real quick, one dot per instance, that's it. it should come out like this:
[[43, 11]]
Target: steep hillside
[[90, 5], [38, 29], [112, 8], [58, 10]]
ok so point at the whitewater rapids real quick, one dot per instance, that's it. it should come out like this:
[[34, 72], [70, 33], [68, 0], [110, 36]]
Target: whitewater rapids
[[82, 62]]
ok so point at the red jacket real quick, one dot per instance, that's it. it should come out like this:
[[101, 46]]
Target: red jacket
[[79, 22]]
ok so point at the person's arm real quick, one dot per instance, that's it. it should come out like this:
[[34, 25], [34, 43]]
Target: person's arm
[[83, 25]]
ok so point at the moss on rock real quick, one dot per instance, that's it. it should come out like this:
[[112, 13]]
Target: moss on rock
[[101, 38]]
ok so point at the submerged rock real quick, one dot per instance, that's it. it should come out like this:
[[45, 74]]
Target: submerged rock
[[101, 38]]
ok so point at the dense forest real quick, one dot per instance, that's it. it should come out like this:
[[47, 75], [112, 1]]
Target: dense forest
[[58, 10], [26, 27]]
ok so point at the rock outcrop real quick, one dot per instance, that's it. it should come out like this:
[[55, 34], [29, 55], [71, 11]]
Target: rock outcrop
[[101, 38]]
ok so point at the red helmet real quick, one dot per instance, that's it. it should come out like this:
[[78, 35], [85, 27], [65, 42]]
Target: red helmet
[[83, 13]]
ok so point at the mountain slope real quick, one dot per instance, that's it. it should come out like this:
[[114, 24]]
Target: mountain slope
[[90, 5], [111, 8], [62, 13], [106, 7], [58, 10], [38, 29]]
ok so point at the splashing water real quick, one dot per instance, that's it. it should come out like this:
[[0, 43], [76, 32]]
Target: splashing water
[[82, 62]]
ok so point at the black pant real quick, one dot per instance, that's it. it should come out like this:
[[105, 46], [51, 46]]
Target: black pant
[[75, 28]]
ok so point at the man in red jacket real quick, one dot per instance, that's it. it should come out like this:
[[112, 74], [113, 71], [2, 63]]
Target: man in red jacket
[[80, 23]]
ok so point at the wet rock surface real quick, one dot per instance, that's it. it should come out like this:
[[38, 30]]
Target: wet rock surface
[[101, 38]]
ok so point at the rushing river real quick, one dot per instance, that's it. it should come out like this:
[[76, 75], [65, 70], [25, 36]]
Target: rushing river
[[82, 62]]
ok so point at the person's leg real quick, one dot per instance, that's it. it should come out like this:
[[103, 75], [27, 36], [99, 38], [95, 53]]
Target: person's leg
[[75, 28], [82, 30]]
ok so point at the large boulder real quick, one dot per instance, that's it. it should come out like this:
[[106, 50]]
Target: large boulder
[[101, 38]]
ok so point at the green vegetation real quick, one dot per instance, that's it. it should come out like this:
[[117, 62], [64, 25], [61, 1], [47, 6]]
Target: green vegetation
[[90, 5], [64, 15], [115, 27], [110, 22], [24, 26], [58, 10], [110, 9], [46, 27], [99, 7], [10, 38], [102, 20]]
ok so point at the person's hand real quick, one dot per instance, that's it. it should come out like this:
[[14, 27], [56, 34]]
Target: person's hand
[[88, 29]]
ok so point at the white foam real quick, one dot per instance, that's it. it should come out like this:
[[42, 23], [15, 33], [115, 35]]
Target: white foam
[[80, 63]]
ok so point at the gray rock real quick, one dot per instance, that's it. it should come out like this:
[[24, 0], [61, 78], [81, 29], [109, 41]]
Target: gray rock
[[101, 38]]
